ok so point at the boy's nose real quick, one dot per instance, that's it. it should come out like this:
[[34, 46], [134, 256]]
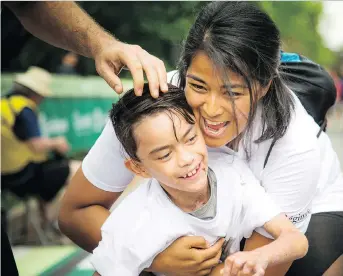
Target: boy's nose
[[186, 159]]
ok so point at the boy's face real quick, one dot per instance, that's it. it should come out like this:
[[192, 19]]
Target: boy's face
[[172, 151]]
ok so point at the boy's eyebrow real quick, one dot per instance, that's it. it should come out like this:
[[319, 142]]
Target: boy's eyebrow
[[166, 147], [187, 131], [158, 149], [234, 85]]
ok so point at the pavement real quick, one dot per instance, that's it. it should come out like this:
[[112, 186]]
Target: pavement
[[70, 260]]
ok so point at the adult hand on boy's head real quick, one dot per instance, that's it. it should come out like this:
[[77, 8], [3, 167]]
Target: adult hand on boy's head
[[249, 263], [189, 256], [112, 57]]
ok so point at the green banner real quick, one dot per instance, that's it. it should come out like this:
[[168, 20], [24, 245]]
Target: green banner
[[79, 120]]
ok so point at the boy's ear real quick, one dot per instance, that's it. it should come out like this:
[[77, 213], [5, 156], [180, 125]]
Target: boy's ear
[[136, 168]]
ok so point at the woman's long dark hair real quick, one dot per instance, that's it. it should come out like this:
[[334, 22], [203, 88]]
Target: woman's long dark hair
[[240, 37]]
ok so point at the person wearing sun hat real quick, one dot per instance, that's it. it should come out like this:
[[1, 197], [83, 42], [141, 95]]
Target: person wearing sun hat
[[37, 79], [24, 152]]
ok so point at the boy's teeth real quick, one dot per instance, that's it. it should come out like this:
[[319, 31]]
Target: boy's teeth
[[192, 172]]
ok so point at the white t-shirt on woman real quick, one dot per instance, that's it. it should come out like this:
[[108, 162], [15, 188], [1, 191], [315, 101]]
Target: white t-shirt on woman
[[303, 174]]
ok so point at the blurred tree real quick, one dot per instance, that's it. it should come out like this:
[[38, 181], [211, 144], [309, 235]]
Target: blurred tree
[[298, 23]]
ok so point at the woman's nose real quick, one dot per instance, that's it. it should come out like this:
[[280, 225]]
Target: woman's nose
[[212, 106]]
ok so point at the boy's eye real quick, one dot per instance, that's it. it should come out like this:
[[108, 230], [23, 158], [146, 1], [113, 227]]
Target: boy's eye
[[164, 156], [192, 139]]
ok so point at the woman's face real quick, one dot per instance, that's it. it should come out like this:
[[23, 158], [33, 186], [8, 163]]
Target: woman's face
[[212, 104]]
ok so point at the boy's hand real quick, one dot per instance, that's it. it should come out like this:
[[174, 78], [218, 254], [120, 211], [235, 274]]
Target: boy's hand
[[250, 263]]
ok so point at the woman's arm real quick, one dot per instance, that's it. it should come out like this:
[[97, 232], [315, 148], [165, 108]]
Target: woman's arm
[[257, 240], [289, 245]]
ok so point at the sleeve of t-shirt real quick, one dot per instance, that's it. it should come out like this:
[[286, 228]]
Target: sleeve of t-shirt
[[26, 125], [104, 166]]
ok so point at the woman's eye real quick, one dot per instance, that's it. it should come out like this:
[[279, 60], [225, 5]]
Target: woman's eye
[[164, 156], [196, 86], [234, 93]]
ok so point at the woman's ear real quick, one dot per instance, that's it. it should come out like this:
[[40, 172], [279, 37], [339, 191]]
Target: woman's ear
[[136, 168]]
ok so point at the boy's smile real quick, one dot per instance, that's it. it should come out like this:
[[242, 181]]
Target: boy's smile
[[172, 151]]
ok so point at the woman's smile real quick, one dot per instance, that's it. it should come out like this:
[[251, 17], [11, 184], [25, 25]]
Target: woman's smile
[[213, 128]]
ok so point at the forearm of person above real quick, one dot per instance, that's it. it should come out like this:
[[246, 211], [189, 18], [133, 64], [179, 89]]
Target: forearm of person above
[[43, 144], [188, 256], [84, 209], [66, 25], [290, 244]]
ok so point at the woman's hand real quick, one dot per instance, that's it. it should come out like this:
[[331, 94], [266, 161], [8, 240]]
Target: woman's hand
[[250, 263], [188, 256]]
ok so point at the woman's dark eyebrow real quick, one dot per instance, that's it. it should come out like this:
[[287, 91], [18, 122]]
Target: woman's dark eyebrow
[[235, 85], [195, 78]]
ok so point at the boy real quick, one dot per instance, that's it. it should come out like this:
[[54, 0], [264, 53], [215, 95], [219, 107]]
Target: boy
[[185, 195]]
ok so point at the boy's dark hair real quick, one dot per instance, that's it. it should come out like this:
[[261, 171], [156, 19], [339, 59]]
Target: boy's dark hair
[[130, 110]]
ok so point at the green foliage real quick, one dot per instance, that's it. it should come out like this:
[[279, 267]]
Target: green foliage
[[298, 23]]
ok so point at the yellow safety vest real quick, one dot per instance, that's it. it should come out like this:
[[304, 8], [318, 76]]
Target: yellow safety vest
[[15, 154]]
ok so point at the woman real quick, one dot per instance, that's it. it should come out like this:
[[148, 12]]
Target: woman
[[229, 71]]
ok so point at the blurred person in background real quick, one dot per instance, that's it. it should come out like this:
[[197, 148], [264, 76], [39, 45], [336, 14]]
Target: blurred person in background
[[27, 169], [68, 65]]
